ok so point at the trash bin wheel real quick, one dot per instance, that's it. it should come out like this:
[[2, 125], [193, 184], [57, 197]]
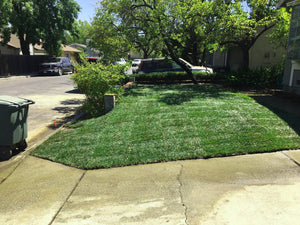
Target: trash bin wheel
[[22, 145], [5, 153]]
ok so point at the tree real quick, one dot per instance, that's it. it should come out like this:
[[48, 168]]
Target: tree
[[179, 26], [242, 26], [58, 16], [23, 20], [128, 34], [183, 26], [107, 37], [45, 21], [5, 10], [82, 29]]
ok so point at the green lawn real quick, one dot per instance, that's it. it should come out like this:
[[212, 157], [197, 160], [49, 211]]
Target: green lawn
[[163, 123]]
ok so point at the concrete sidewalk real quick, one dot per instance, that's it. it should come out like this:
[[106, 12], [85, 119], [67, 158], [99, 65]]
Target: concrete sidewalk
[[249, 189]]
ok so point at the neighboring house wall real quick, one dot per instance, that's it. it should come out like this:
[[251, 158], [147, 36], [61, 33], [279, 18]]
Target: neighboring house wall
[[7, 50], [261, 54], [89, 51], [12, 47], [291, 78], [71, 53]]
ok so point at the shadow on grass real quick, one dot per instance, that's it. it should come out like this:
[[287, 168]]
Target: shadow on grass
[[178, 94], [285, 108]]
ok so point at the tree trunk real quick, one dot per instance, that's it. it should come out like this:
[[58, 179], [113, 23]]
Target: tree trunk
[[185, 68], [24, 44], [195, 59], [203, 58], [181, 64]]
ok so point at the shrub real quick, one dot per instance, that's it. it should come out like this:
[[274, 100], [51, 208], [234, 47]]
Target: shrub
[[267, 77], [95, 80], [171, 77]]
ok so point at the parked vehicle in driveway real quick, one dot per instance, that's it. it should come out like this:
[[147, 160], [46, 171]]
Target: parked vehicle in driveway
[[197, 68], [57, 66], [92, 59], [157, 65], [121, 62], [167, 65], [135, 65]]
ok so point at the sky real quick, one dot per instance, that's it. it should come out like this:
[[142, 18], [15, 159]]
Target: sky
[[87, 9]]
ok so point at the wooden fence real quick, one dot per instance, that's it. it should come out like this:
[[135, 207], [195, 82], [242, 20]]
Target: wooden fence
[[20, 64]]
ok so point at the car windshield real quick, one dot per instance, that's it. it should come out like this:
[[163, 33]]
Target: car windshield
[[187, 63]]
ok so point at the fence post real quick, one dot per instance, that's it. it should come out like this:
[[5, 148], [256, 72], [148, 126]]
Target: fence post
[[109, 102]]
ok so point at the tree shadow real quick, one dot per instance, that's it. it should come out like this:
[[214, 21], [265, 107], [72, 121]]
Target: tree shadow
[[69, 105], [185, 93], [178, 94]]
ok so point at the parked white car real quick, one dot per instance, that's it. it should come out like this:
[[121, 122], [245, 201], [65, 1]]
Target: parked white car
[[197, 68], [121, 62]]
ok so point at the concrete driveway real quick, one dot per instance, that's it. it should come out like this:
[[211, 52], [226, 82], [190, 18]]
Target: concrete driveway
[[251, 189]]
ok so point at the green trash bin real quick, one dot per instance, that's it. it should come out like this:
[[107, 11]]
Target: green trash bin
[[13, 124]]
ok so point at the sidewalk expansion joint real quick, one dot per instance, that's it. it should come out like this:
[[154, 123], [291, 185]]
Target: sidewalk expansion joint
[[68, 197], [180, 193], [290, 158], [5, 178]]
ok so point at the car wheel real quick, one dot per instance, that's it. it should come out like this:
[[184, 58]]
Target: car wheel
[[60, 72]]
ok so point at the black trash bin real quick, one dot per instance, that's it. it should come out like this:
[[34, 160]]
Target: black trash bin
[[13, 124]]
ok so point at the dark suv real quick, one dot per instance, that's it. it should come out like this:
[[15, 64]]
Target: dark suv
[[165, 65], [56, 65], [158, 65]]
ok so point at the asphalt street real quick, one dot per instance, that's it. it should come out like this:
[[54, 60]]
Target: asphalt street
[[55, 99]]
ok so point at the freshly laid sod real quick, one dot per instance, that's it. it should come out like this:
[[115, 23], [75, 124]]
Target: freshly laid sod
[[163, 123]]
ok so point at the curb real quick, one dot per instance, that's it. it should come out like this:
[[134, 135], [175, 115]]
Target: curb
[[17, 77]]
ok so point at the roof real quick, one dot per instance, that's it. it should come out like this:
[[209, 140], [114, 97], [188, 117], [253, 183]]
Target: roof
[[287, 3], [67, 48], [38, 47], [76, 45], [14, 41]]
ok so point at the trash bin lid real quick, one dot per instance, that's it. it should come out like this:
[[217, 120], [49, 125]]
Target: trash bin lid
[[13, 102]]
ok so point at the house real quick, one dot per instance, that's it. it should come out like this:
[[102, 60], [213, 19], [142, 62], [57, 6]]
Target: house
[[261, 54], [89, 51], [71, 53], [291, 77], [13, 47]]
